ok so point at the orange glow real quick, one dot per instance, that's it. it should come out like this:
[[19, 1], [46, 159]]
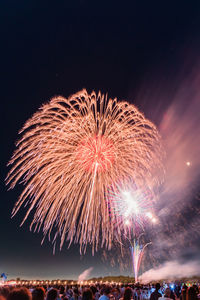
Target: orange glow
[[71, 152]]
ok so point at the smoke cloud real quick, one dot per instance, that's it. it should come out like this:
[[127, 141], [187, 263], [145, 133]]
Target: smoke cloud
[[85, 275], [178, 206], [180, 129], [171, 270], [175, 237]]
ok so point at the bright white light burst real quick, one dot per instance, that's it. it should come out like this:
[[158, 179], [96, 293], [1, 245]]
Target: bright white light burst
[[132, 206], [131, 203]]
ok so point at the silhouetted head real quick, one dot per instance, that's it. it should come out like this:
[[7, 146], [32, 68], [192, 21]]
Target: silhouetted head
[[127, 294], [157, 286], [20, 294], [4, 291], [87, 294], [38, 293], [93, 289], [52, 294]]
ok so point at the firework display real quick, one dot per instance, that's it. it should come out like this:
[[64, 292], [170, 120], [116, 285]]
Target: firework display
[[71, 154], [137, 252], [131, 206]]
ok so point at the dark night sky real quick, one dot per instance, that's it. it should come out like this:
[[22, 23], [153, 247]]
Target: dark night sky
[[49, 49]]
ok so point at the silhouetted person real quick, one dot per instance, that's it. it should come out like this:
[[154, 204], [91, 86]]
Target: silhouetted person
[[75, 294], [167, 295], [4, 291], [94, 290], [52, 294], [128, 295], [38, 293], [106, 292], [155, 295], [191, 294], [61, 290], [183, 292], [87, 295]]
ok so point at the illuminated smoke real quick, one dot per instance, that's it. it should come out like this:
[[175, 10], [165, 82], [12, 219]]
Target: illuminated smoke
[[172, 270], [85, 275]]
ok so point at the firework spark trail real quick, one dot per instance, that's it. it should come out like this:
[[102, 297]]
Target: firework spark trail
[[71, 151], [137, 252], [91, 194]]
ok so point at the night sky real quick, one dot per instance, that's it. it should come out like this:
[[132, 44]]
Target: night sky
[[138, 53]]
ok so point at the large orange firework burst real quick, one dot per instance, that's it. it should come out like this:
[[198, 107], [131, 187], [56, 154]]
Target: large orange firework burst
[[70, 154]]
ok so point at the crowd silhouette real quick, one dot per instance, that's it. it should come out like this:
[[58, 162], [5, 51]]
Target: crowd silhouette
[[101, 292]]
